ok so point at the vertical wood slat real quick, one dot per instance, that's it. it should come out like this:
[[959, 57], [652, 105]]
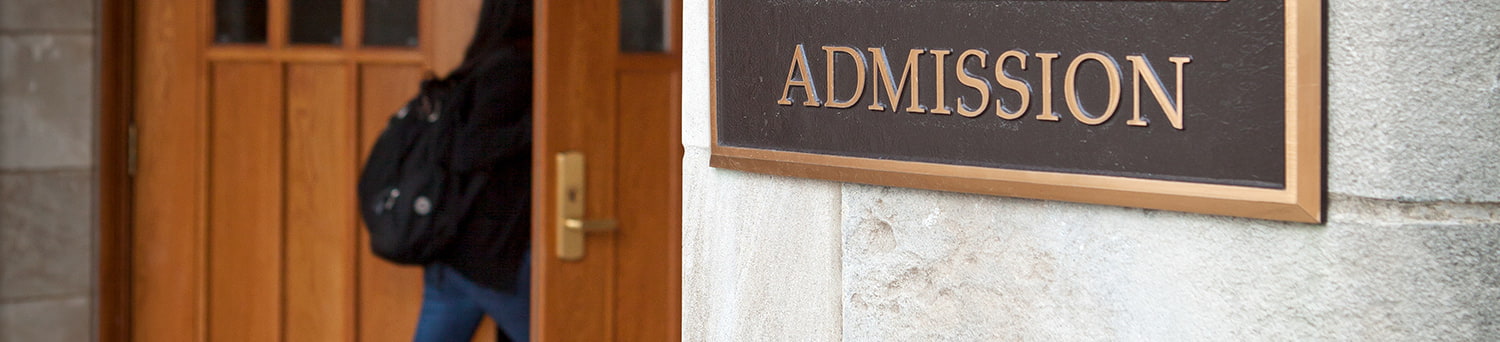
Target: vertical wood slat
[[245, 232], [319, 227], [278, 23], [354, 24], [450, 35], [166, 263], [647, 301], [390, 295]]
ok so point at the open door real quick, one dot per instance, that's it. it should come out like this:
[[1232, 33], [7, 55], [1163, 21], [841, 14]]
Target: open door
[[252, 118], [607, 92]]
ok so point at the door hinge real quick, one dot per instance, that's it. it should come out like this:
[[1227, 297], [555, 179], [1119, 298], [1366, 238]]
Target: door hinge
[[132, 149]]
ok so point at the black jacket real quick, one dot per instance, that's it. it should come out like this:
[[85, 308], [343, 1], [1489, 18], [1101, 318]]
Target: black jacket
[[495, 235]]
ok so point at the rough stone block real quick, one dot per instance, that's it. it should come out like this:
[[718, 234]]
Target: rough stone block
[[924, 265], [46, 101], [46, 234], [47, 14], [761, 255], [1414, 99], [58, 320]]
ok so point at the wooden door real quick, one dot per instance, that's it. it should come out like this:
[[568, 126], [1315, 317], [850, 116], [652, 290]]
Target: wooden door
[[621, 111], [252, 118]]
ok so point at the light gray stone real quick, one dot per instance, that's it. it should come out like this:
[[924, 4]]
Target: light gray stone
[[46, 234], [56, 320], [695, 68], [1414, 99], [46, 101], [763, 254], [924, 265], [47, 14]]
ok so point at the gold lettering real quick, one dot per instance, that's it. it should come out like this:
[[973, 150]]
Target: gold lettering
[[1070, 92], [909, 84], [1018, 85], [859, 89], [883, 72], [980, 84], [799, 62], [942, 83], [1173, 109], [1047, 113]]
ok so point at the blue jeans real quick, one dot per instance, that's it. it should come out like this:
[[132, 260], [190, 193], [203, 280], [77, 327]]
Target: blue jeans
[[453, 305]]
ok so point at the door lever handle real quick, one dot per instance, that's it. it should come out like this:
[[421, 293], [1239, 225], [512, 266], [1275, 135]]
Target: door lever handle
[[590, 225], [572, 228]]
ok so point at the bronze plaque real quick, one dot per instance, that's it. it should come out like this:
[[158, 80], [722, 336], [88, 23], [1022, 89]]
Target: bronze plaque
[[1201, 106]]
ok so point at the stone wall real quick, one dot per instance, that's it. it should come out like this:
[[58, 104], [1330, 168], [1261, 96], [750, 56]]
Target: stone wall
[[1410, 250], [47, 182]]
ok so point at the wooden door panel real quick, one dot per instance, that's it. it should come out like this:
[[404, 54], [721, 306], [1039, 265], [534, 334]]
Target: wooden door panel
[[245, 224], [575, 105], [648, 263], [245, 208], [166, 269], [320, 224], [621, 111], [389, 295]]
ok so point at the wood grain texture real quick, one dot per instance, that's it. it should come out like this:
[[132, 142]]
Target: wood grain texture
[[167, 223], [575, 110], [245, 231], [320, 225], [278, 23], [244, 227], [311, 55], [648, 303], [451, 26], [353, 26], [620, 110], [1305, 102]]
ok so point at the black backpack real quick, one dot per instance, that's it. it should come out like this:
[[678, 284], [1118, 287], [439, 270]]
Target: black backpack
[[411, 200]]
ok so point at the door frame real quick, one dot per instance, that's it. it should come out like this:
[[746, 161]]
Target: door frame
[[115, 86]]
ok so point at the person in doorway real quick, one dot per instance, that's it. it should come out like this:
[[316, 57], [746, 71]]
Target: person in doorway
[[485, 269]]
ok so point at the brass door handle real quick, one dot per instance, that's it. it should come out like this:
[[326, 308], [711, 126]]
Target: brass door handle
[[590, 226], [572, 228]]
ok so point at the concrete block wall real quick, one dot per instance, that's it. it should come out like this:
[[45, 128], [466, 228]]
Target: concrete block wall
[[1410, 250], [47, 177]]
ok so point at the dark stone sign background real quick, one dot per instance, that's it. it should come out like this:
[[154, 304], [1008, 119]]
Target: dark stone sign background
[[1234, 115]]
